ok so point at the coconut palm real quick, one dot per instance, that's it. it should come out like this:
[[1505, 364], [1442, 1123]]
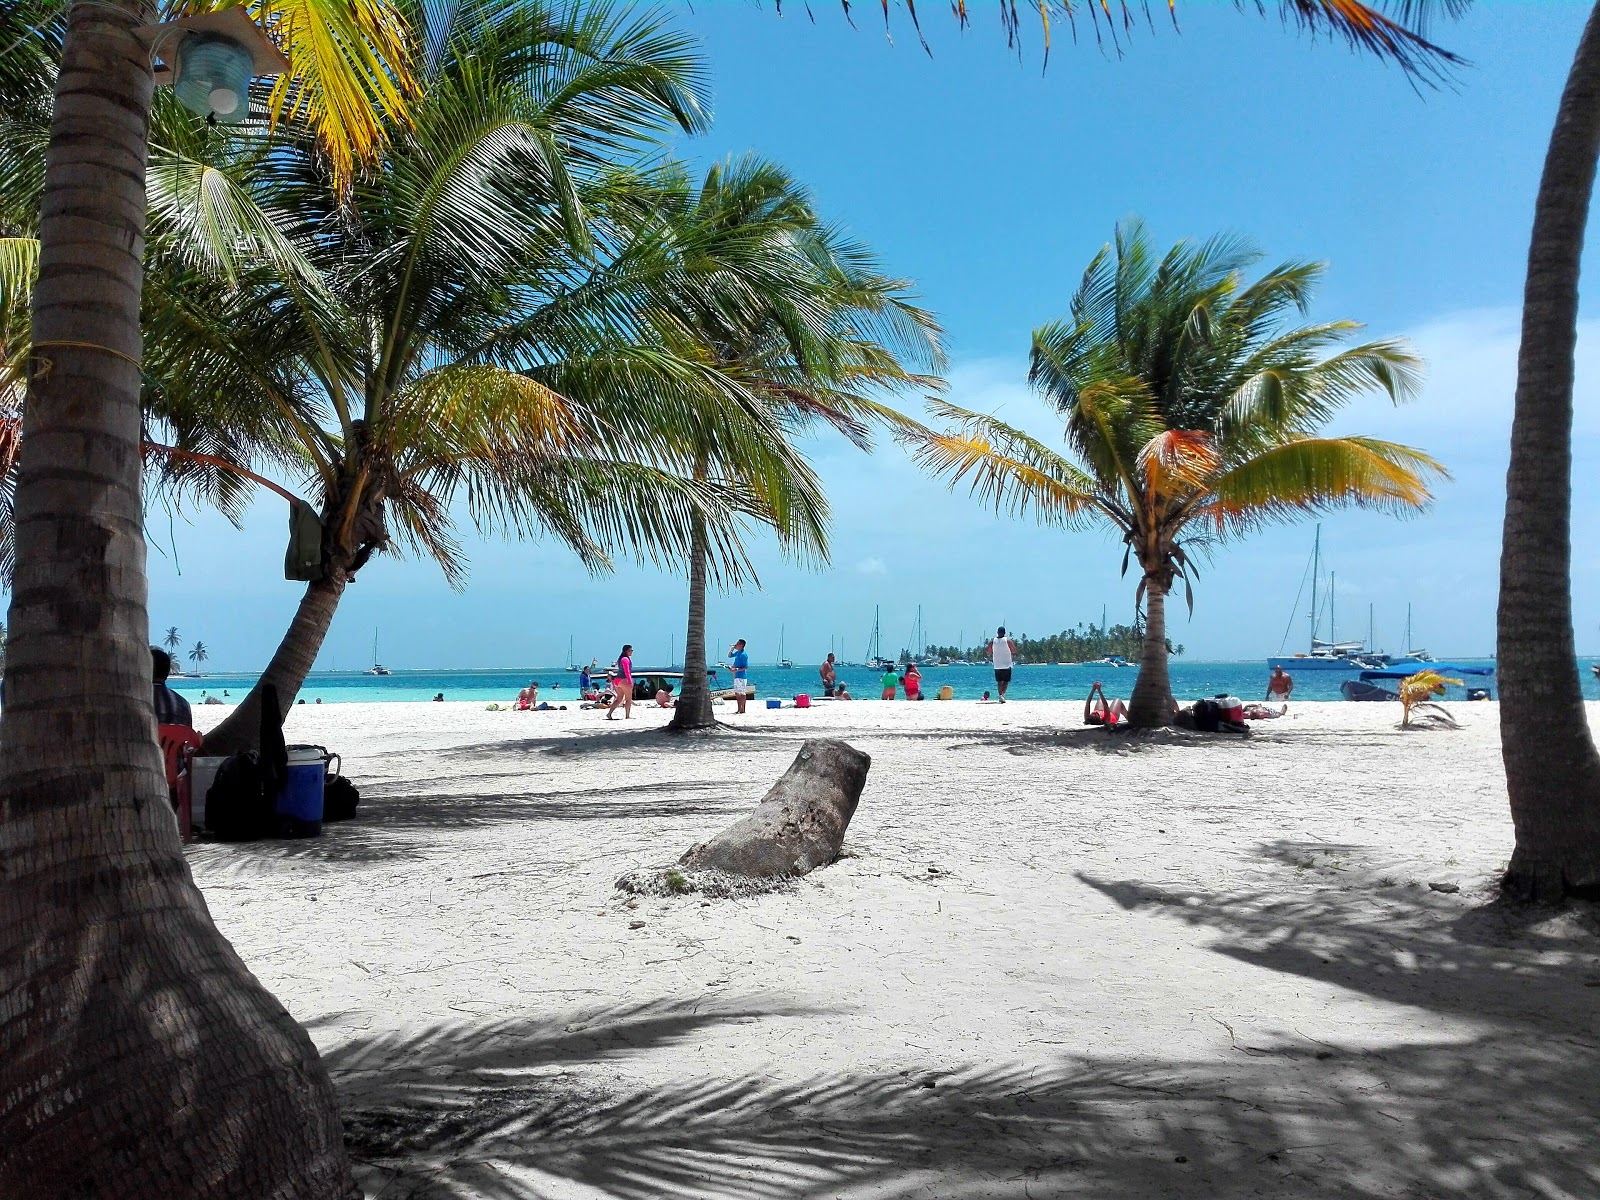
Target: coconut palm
[[1552, 766], [98, 890], [173, 640], [785, 312], [464, 334], [199, 654], [1192, 406]]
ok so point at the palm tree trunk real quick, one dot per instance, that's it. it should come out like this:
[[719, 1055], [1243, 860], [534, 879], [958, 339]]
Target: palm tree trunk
[[1151, 706], [291, 663], [694, 698], [138, 1055], [1552, 768]]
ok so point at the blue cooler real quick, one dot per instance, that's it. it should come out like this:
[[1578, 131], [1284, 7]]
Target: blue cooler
[[300, 802]]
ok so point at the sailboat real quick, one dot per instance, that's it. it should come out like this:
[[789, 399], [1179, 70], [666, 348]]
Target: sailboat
[[377, 667], [1412, 657], [782, 661], [572, 664], [875, 659], [1329, 655]]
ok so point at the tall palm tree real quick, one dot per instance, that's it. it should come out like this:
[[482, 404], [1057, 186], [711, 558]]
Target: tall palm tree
[[787, 313], [456, 336], [1552, 766], [142, 1028], [1192, 407], [173, 639], [199, 653]]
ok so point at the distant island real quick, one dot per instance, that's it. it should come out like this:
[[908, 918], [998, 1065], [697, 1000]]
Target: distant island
[[1082, 643]]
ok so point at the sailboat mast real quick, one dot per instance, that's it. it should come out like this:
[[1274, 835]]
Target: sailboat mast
[[1316, 562], [1333, 624], [1369, 628], [1406, 649]]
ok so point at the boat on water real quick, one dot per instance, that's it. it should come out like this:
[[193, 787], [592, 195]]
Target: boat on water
[[1377, 683], [377, 667], [1328, 654], [875, 659], [1110, 660], [571, 663], [783, 663]]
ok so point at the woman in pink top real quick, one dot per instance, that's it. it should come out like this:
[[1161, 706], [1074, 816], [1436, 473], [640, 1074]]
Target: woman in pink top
[[622, 685]]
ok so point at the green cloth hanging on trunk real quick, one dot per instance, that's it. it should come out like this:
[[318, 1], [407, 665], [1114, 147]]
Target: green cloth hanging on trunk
[[303, 561]]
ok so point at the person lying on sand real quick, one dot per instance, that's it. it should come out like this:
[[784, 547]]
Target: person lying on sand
[[1097, 710], [1264, 712], [664, 698]]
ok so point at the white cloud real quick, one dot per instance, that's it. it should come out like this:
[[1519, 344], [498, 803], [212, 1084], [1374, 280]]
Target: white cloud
[[871, 566]]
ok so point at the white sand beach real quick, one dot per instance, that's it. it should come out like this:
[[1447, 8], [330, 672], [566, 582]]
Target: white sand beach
[[1052, 963]]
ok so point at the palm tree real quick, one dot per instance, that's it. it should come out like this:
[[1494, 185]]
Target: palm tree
[[1552, 766], [102, 919], [786, 312], [454, 331], [1192, 408], [199, 654], [172, 641]]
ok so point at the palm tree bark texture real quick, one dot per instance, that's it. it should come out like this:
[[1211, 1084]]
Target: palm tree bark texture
[[1552, 767], [138, 1055]]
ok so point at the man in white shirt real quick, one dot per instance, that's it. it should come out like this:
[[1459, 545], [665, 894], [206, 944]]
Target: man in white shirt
[[1003, 651]]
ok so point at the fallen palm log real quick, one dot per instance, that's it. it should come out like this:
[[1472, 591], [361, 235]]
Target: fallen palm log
[[798, 826]]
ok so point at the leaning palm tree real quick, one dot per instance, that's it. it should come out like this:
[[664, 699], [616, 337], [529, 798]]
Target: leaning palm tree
[[173, 639], [458, 337], [101, 915], [1192, 407]]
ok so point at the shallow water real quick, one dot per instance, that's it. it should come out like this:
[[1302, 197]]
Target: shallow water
[[1190, 680]]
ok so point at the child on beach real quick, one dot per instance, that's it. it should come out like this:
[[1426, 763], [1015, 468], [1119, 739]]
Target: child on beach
[[891, 685]]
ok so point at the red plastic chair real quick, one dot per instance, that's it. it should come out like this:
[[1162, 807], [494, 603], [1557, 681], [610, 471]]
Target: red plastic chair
[[178, 744]]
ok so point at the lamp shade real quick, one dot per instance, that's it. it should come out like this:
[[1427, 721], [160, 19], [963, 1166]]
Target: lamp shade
[[213, 76]]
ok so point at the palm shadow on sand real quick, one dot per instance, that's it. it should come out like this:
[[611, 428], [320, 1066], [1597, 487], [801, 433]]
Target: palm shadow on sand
[[523, 1109]]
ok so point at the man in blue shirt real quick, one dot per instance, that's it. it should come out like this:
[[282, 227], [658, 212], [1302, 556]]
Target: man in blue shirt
[[740, 662]]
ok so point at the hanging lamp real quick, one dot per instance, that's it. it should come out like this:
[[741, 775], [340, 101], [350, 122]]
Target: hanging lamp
[[209, 60]]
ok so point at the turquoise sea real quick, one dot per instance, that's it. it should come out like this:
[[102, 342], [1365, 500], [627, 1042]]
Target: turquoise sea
[[1190, 680]]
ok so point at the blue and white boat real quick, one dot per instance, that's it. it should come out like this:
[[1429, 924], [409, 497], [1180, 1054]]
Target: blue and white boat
[[1380, 683], [1332, 654]]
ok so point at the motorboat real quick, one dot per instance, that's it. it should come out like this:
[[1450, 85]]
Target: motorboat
[[1369, 685]]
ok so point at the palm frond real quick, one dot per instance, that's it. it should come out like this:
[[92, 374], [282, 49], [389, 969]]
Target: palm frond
[[1007, 469], [1313, 475]]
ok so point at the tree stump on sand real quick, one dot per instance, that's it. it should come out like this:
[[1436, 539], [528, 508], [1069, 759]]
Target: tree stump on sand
[[799, 825]]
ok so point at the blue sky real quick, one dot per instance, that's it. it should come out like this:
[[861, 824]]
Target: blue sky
[[991, 185]]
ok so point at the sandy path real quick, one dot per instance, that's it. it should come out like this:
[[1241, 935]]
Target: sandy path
[[1055, 963]]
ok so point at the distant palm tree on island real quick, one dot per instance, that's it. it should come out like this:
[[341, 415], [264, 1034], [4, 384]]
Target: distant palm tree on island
[[198, 655], [172, 641], [1192, 410]]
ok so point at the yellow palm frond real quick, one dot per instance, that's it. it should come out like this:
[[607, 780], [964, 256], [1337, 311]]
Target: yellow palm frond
[[1008, 469], [350, 70], [1311, 475]]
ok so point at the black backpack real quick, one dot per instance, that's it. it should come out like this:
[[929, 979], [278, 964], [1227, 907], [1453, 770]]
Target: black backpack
[[240, 807], [339, 799], [1207, 716]]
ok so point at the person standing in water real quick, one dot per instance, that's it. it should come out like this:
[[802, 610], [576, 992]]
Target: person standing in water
[[622, 685], [739, 660], [1003, 652], [830, 676]]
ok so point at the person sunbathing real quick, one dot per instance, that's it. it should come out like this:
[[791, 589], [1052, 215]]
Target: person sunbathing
[[1098, 710], [664, 698]]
